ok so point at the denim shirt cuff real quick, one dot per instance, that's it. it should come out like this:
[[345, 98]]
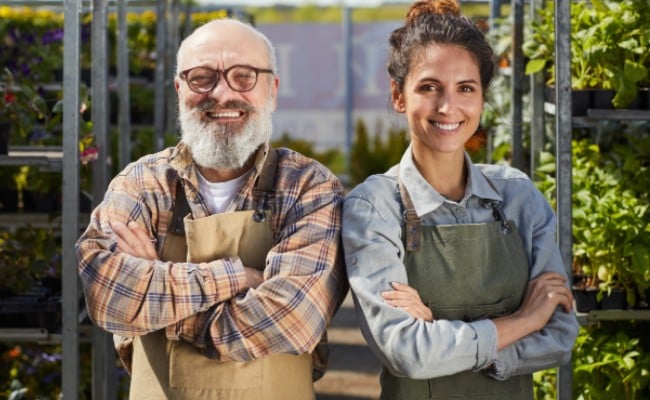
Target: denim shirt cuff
[[486, 339], [505, 363]]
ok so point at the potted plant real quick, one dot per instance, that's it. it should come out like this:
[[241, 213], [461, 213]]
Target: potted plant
[[610, 50], [28, 256], [611, 247]]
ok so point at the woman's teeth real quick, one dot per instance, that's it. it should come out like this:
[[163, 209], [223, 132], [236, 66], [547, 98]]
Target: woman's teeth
[[446, 127]]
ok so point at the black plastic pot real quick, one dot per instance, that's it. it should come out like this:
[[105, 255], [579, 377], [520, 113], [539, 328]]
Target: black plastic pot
[[585, 299]]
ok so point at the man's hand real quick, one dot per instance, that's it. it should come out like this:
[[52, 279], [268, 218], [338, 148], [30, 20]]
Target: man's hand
[[134, 240], [254, 277], [406, 298]]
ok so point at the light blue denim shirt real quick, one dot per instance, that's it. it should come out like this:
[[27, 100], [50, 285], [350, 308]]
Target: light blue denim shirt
[[374, 254]]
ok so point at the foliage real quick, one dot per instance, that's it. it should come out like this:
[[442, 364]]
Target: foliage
[[332, 158], [26, 255], [314, 13], [24, 108], [611, 220], [609, 362], [31, 42], [544, 384], [375, 155], [610, 46], [30, 371]]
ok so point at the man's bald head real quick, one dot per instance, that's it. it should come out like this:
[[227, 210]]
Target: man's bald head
[[228, 30]]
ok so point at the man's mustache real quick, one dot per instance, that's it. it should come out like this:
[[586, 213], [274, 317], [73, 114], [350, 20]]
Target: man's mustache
[[210, 104]]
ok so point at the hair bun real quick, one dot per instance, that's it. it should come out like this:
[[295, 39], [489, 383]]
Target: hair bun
[[442, 7]]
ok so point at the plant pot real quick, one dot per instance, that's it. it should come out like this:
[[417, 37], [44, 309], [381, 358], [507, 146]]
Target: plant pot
[[585, 299], [614, 301], [40, 202], [642, 300], [580, 100], [4, 138], [602, 99], [8, 201], [644, 98]]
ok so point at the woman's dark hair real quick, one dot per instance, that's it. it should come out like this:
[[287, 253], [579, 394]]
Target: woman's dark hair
[[437, 22]]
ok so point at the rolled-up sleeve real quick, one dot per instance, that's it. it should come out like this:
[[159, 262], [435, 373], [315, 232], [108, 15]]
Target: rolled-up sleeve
[[552, 345], [131, 296]]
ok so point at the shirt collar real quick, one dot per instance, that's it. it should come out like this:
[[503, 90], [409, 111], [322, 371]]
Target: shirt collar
[[181, 161], [426, 199]]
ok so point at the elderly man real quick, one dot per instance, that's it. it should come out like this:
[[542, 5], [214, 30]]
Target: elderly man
[[216, 263]]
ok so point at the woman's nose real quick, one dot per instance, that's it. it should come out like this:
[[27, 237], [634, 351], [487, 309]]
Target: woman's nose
[[444, 103]]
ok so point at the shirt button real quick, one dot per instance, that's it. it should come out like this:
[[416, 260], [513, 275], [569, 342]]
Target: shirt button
[[458, 211]]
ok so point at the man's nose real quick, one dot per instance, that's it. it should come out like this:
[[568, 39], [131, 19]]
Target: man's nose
[[221, 89]]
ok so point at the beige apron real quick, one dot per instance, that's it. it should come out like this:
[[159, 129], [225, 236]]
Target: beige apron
[[164, 369]]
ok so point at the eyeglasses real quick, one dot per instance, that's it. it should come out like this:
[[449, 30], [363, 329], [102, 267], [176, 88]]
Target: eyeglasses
[[240, 78]]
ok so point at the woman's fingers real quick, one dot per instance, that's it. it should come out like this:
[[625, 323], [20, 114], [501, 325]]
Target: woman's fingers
[[408, 299]]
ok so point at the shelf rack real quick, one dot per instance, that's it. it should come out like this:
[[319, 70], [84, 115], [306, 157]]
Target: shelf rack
[[564, 124]]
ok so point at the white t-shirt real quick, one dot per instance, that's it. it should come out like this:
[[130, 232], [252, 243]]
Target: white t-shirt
[[219, 195]]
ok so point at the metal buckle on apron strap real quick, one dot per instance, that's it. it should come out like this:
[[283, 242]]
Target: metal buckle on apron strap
[[259, 215], [497, 213], [412, 222]]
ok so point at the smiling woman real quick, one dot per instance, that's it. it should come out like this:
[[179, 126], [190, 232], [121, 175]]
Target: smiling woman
[[453, 265]]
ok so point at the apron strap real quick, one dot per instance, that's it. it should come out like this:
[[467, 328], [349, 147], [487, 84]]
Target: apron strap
[[411, 219], [264, 188], [181, 209]]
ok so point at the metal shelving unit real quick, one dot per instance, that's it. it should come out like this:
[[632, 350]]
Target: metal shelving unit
[[564, 124], [65, 159]]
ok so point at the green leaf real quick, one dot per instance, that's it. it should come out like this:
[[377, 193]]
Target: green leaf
[[534, 66]]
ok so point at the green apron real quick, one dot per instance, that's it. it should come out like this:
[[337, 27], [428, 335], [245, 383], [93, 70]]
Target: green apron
[[463, 272], [175, 370]]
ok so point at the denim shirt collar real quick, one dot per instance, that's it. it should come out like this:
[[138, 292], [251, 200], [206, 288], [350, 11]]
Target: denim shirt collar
[[426, 199]]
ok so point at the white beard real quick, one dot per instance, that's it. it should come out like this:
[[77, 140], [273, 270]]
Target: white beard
[[224, 147]]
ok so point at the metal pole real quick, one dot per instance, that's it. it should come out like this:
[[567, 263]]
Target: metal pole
[[537, 128], [170, 64], [124, 115], [103, 365], [517, 79], [563, 129], [495, 15], [70, 213], [159, 90], [348, 84]]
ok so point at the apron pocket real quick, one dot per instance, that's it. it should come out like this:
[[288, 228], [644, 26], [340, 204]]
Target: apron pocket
[[190, 369], [475, 312]]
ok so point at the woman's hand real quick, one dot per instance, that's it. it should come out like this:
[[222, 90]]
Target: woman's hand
[[543, 295], [406, 298], [132, 239]]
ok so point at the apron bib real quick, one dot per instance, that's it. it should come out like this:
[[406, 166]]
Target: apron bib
[[463, 272], [176, 370]]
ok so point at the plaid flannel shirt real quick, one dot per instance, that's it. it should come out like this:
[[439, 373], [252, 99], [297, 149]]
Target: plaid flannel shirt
[[209, 304]]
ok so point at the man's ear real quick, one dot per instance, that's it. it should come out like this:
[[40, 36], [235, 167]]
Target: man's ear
[[177, 83], [396, 97], [275, 87]]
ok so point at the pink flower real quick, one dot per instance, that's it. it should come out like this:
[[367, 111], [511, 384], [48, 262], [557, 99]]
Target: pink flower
[[88, 155], [9, 97]]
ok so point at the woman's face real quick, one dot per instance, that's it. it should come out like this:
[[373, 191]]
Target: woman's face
[[442, 98]]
